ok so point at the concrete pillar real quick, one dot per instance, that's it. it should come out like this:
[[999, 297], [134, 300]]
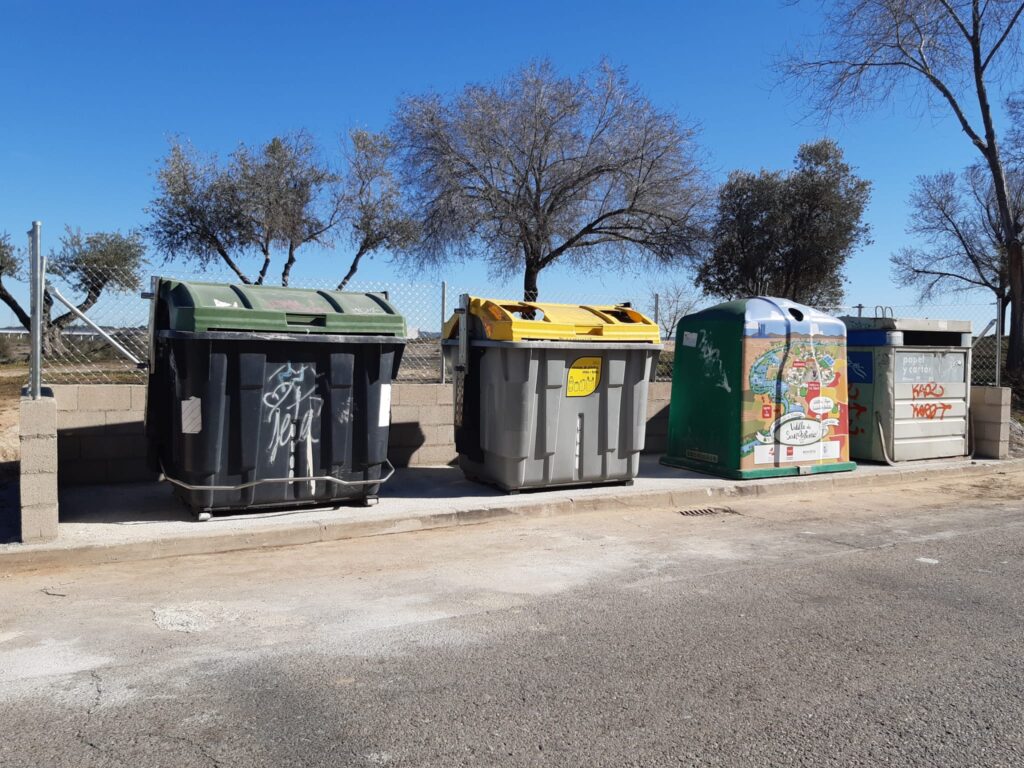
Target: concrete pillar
[[39, 511], [990, 421]]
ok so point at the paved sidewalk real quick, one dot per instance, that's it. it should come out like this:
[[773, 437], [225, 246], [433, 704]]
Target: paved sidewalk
[[115, 523]]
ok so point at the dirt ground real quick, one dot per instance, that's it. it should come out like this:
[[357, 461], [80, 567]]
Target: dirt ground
[[12, 379]]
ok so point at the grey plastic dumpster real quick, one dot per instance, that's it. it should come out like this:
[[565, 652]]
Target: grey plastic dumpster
[[263, 396], [909, 387], [549, 395]]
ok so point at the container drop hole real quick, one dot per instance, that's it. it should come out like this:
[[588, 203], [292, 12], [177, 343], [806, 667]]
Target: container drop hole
[[797, 314], [525, 313]]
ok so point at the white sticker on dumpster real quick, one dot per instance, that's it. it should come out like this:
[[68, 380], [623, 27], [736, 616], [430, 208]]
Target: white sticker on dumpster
[[689, 339], [191, 416], [385, 405]]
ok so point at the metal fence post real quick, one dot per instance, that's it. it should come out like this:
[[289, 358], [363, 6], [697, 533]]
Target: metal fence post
[[999, 340], [37, 281], [657, 310], [444, 307]]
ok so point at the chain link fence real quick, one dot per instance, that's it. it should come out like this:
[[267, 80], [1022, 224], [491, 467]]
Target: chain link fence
[[95, 336], [77, 352]]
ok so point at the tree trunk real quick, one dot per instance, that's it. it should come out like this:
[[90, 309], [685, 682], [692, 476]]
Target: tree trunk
[[353, 267], [1015, 357], [266, 265], [286, 272], [530, 292]]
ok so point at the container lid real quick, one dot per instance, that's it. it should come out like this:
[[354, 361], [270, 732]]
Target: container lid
[[198, 307], [525, 320], [906, 324], [769, 316]]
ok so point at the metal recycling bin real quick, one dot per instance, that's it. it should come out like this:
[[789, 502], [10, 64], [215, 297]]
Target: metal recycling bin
[[264, 397], [759, 390], [910, 387], [549, 395]]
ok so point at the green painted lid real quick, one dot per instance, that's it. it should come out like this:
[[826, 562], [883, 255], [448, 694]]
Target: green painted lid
[[198, 307]]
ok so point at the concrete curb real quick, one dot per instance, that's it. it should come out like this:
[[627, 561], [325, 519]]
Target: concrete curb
[[28, 557]]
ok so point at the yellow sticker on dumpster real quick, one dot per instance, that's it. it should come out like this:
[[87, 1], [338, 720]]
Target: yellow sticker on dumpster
[[584, 376]]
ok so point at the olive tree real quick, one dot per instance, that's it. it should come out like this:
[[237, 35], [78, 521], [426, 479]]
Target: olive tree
[[372, 206], [87, 264], [272, 199], [539, 168]]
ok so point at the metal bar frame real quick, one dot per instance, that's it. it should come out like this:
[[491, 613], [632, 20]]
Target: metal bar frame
[[81, 316], [37, 279], [278, 480]]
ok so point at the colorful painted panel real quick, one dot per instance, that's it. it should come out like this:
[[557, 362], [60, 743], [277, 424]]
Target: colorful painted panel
[[794, 400]]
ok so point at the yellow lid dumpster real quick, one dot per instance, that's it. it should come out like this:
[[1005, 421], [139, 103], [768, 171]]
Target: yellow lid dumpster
[[549, 395]]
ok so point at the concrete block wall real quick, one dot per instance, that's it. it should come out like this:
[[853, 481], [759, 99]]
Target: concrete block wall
[[38, 473], [990, 421], [658, 395], [100, 437]]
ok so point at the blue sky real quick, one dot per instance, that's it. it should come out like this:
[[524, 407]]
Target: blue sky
[[92, 91]]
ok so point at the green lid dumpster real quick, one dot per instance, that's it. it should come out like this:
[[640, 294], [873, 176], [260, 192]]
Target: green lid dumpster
[[549, 395], [263, 396], [909, 387], [758, 390]]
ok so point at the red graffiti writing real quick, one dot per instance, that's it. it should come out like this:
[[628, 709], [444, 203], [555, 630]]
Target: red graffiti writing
[[858, 410], [931, 389], [930, 410]]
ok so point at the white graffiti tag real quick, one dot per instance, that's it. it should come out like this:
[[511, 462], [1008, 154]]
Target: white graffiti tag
[[714, 369], [292, 405]]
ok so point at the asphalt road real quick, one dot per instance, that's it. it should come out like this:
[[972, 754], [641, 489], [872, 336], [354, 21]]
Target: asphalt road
[[871, 629]]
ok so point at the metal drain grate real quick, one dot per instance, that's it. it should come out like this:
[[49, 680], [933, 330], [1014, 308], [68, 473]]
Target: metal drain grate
[[703, 511]]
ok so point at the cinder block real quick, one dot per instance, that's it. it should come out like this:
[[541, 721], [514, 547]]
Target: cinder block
[[139, 397], [68, 448], [38, 454], [989, 432], [79, 421], [990, 449], [39, 489], [66, 396], [115, 447], [655, 443], [436, 414], [441, 435], [445, 396], [405, 414], [39, 523], [124, 422], [132, 470], [417, 394], [433, 455], [997, 395], [38, 417], [103, 397], [659, 390], [84, 472]]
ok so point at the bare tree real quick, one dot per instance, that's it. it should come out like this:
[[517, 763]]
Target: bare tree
[[277, 197], [87, 264], [676, 298], [538, 168], [371, 201], [957, 52], [964, 245]]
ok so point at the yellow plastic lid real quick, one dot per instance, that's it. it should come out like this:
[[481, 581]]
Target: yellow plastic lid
[[527, 320]]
